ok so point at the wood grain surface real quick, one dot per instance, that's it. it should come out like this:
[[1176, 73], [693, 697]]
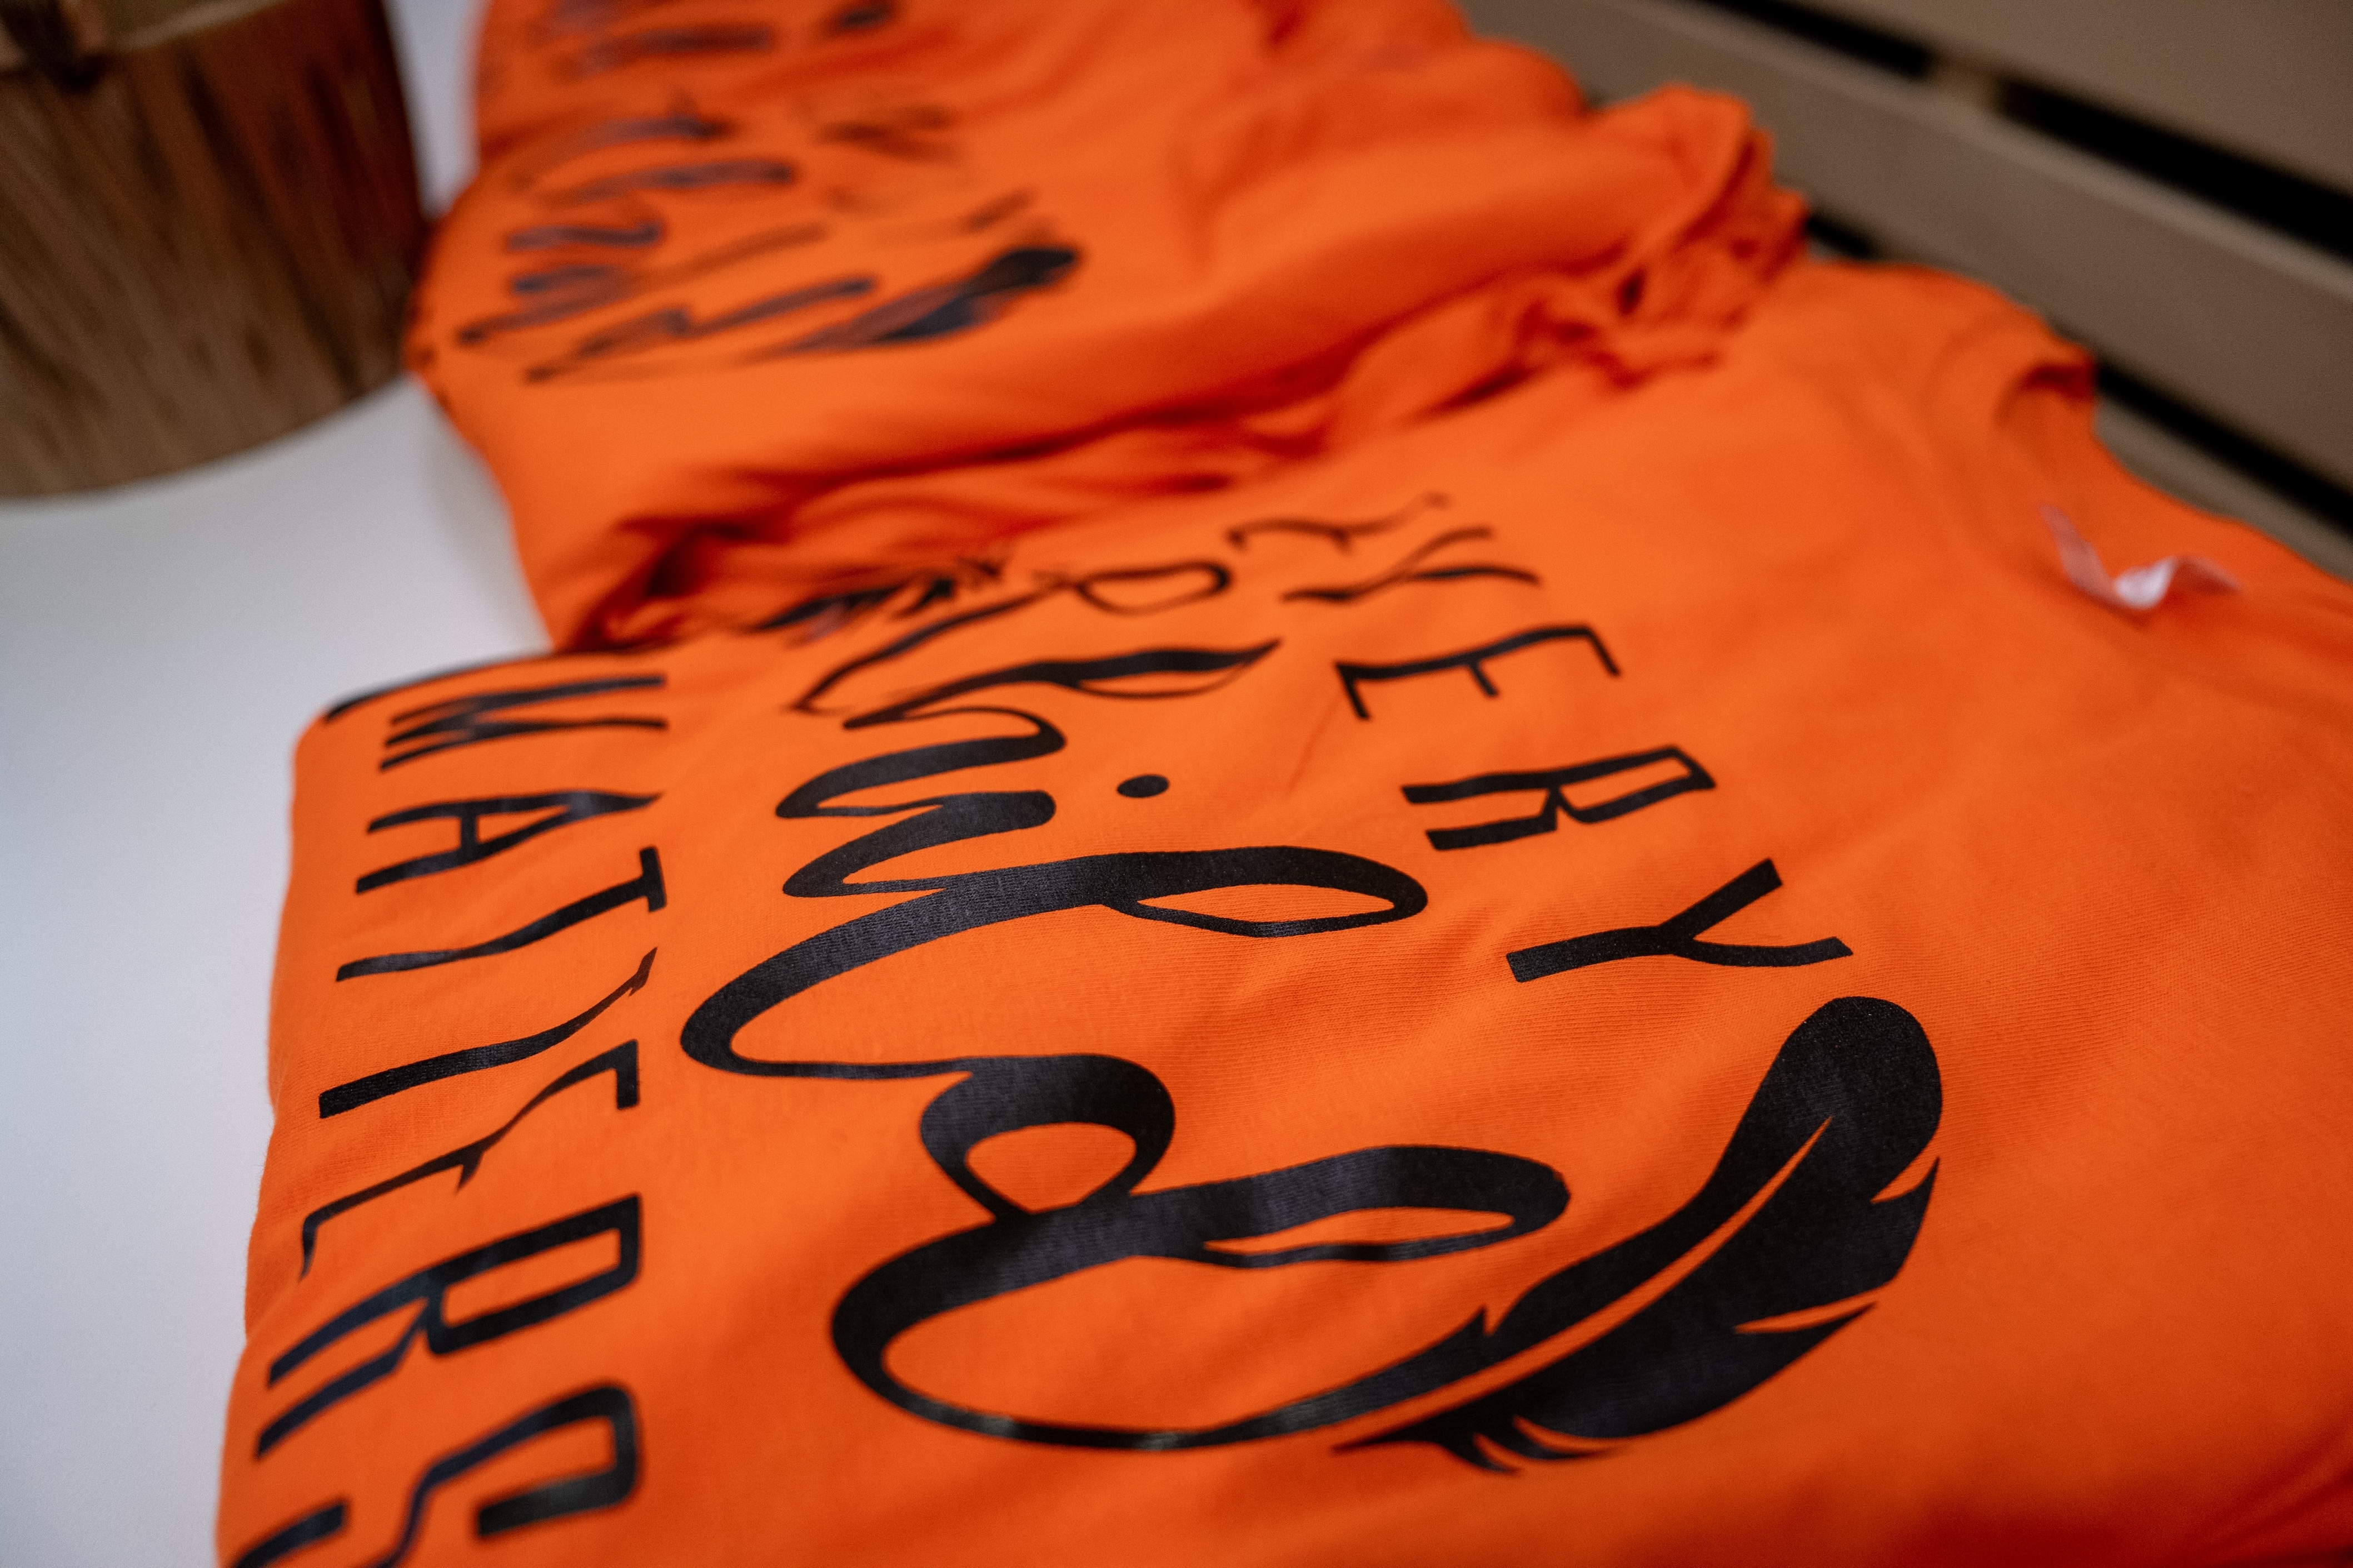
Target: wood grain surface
[[206, 239]]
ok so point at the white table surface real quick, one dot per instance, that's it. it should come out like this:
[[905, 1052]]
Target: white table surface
[[161, 646]]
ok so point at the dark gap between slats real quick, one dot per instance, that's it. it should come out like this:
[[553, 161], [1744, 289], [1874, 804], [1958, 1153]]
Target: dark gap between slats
[[1887, 51], [1841, 237], [2282, 476], [2288, 203]]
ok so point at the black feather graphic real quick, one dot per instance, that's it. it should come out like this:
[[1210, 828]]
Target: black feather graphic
[[1851, 1101]]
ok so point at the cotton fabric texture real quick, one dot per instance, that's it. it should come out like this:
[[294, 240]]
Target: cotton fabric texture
[[1294, 812]]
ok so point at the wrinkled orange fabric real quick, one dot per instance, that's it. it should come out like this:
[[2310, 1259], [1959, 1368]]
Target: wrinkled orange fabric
[[1295, 814]]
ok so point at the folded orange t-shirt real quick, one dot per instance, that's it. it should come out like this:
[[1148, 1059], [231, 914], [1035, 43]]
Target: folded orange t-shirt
[[1294, 814]]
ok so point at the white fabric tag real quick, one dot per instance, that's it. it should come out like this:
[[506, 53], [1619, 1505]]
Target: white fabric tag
[[2143, 588]]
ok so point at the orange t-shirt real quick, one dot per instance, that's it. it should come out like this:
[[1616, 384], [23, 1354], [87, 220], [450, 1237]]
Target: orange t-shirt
[[1295, 814]]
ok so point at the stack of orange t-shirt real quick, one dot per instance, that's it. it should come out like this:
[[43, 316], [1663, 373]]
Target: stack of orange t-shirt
[[1295, 814]]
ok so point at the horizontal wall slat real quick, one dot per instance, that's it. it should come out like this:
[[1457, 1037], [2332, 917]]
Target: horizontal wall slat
[[2271, 79], [2254, 328]]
